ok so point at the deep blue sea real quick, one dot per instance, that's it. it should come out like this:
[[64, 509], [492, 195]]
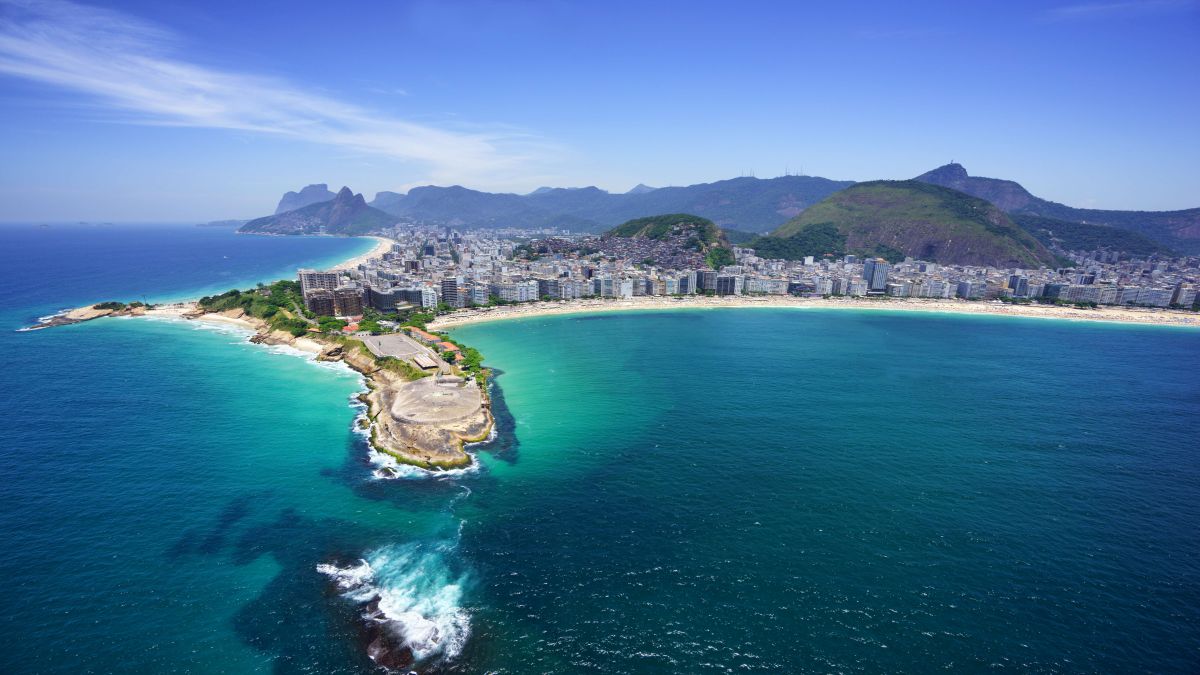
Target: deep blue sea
[[688, 491]]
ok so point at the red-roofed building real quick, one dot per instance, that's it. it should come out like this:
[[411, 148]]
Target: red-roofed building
[[422, 335]]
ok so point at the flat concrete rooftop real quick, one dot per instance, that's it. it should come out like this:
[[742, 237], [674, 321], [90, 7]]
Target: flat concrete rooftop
[[396, 345]]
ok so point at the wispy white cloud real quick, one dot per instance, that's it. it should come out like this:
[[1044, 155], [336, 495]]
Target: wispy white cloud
[[1102, 10], [128, 65]]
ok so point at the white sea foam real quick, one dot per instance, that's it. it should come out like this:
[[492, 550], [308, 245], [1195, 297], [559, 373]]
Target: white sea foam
[[44, 319], [419, 597], [348, 578], [466, 492], [245, 333], [490, 437], [390, 469]]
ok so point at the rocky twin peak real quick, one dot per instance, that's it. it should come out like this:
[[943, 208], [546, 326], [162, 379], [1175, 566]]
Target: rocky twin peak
[[346, 202], [343, 213], [347, 195]]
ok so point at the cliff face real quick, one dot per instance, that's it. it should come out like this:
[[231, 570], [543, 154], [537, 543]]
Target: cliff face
[[310, 194], [1009, 195]]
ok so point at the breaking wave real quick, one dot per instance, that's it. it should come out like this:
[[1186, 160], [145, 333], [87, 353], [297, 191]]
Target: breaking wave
[[387, 468], [411, 602]]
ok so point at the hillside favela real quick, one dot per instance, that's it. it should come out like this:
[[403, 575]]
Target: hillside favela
[[921, 396]]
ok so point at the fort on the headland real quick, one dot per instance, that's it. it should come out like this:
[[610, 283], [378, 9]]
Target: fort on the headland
[[423, 407], [427, 419]]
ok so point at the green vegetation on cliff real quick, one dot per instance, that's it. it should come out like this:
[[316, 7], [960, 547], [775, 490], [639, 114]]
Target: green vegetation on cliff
[[279, 304], [894, 219], [1073, 236], [718, 257], [817, 240], [401, 367], [705, 232], [685, 231]]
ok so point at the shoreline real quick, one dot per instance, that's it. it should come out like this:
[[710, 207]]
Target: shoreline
[[73, 315], [1103, 314], [382, 245], [416, 436]]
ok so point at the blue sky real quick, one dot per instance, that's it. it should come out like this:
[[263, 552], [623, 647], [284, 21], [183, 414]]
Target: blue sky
[[145, 111]]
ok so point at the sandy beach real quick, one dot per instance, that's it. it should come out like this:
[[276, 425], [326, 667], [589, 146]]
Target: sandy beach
[[190, 311], [382, 245], [1128, 315]]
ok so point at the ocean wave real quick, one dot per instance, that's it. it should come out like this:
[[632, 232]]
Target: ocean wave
[[288, 350], [210, 326], [362, 423], [412, 602], [492, 433], [245, 333], [388, 468], [48, 317]]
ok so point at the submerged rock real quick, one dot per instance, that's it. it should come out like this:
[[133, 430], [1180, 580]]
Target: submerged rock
[[385, 649]]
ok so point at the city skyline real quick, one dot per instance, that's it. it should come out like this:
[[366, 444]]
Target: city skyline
[[141, 112]]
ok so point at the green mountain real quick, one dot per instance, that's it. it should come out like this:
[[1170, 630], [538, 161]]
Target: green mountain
[[685, 230], [347, 213], [893, 219], [665, 226], [1073, 236], [818, 240], [1179, 230]]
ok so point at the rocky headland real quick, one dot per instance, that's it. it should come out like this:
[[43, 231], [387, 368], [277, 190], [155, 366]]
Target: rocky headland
[[418, 418], [422, 421]]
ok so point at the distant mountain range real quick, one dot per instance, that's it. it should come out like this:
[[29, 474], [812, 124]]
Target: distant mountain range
[[1179, 230], [743, 203], [740, 205], [347, 213]]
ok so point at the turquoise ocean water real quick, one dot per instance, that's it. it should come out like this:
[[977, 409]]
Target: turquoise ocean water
[[689, 491]]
